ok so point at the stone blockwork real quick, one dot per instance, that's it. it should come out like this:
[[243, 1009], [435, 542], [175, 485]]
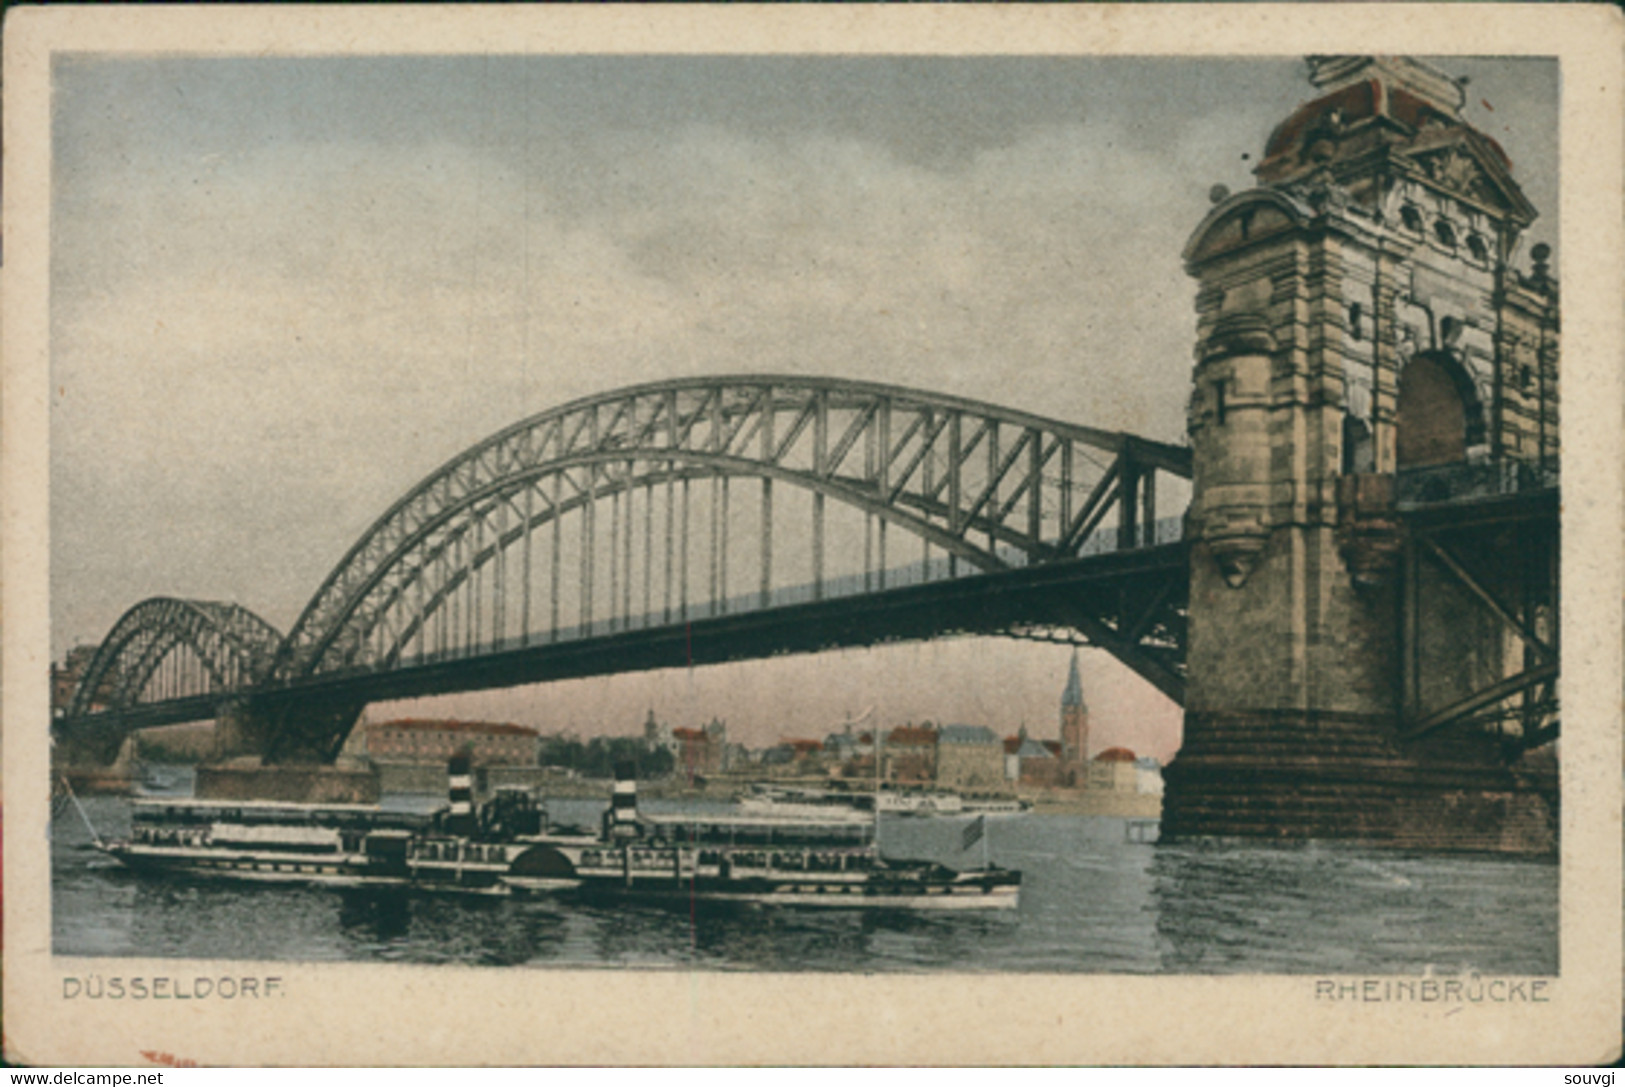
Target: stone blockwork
[[1358, 315], [1290, 775], [1296, 634], [246, 779]]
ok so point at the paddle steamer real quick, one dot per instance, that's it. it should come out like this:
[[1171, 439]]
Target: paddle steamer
[[508, 846]]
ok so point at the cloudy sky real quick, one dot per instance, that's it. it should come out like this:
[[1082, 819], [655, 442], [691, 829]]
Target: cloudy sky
[[285, 290]]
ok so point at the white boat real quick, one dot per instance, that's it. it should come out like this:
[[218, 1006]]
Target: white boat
[[996, 805], [907, 802], [770, 802], [820, 803]]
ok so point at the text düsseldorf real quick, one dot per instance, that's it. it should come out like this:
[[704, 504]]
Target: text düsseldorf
[[160, 987]]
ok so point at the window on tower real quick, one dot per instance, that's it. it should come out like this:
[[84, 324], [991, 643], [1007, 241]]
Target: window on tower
[[1359, 456]]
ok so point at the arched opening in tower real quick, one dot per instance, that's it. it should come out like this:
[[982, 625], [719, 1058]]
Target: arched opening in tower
[[1432, 415]]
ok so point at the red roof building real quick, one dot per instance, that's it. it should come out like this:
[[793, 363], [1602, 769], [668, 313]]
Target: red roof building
[[416, 740], [1033, 762], [699, 751], [1113, 769]]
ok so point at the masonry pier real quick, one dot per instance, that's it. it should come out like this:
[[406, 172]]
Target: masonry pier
[[1373, 582]]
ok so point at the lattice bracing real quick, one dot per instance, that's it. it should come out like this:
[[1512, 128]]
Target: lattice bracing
[[166, 648], [691, 499]]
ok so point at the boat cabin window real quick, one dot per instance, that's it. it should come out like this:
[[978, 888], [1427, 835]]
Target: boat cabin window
[[382, 846]]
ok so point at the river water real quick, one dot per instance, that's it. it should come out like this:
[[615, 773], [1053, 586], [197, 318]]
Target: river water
[[1092, 901]]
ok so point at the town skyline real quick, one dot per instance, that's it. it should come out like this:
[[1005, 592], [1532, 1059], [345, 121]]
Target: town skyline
[[1121, 713]]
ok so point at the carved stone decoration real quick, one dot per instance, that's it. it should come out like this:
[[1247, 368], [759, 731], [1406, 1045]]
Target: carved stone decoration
[[1236, 539], [1321, 193], [1407, 341], [1459, 173], [1357, 397]]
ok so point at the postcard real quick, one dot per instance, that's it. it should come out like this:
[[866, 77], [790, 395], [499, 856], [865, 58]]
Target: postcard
[[812, 535]]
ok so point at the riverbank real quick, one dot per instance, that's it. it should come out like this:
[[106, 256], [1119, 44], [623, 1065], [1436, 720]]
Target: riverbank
[[1097, 802]]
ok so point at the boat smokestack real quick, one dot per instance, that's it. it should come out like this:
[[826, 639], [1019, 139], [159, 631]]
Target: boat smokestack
[[460, 775], [623, 804]]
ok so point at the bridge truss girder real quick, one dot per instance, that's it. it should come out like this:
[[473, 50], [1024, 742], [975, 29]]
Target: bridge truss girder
[[1131, 604], [985, 486], [1503, 559]]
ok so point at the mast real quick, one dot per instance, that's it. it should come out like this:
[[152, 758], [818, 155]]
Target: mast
[[96, 839], [876, 732]]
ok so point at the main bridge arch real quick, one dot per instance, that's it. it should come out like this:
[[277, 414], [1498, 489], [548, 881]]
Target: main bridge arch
[[454, 566]]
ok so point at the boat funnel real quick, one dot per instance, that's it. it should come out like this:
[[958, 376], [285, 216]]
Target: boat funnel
[[623, 804], [460, 775]]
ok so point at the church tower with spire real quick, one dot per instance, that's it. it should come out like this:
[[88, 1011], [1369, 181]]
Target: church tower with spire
[[1074, 723]]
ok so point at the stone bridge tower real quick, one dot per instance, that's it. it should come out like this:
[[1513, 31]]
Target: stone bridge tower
[[1367, 358]]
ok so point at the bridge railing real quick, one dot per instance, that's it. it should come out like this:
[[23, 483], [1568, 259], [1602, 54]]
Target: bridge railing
[[1450, 483], [921, 572]]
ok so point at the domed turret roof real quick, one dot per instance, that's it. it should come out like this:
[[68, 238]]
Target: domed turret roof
[[1377, 118]]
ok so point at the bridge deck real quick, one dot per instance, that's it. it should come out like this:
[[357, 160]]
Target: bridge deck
[[980, 603]]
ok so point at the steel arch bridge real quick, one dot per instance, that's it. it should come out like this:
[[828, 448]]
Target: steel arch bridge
[[170, 651], [750, 514]]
